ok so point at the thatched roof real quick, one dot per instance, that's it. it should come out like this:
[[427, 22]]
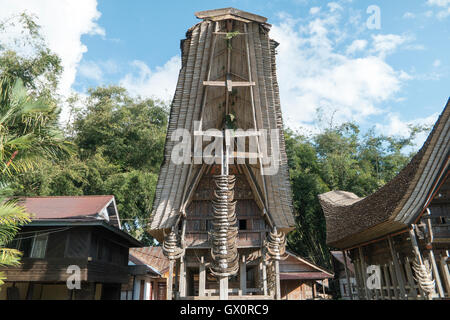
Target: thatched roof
[[351, 220], [191, 104]]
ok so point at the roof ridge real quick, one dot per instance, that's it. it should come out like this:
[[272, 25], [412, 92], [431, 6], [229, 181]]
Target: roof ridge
[[82, 196]]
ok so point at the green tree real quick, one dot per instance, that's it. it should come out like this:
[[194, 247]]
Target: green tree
[[119, 141], [27, 135], [337, 158]]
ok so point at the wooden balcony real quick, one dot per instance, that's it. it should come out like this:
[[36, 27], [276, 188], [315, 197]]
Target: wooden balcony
[[246, 239]]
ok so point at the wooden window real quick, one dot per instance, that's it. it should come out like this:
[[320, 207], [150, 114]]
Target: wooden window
[[242, 224], [39, 246]]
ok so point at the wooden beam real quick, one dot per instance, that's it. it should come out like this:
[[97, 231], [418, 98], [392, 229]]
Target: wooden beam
[[170, 280], [243, 277], [398, 271], [182, 288], [364, 274], [264, 275], [223, 288], [387, 282], [202, 278], [277, 280], [445, 273], [410, 277], [395, 286], [436, 275], [347, 275], [229, 84]]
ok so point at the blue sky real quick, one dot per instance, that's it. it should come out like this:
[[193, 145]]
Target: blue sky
[[328, 57]]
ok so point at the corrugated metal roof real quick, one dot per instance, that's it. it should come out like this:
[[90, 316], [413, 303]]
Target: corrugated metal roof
[[61, 207]]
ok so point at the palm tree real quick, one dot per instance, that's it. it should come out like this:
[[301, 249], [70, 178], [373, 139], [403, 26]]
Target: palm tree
[[28, 133]]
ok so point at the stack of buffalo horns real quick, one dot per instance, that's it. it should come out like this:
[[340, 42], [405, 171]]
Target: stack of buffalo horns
[[171, 248], [225, 259], [276, 244]]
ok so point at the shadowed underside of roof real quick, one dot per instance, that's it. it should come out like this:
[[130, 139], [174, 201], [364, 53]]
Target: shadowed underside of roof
[[188, 106], [351, 220]]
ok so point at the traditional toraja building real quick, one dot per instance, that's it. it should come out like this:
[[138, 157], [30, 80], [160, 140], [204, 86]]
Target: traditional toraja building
[[402, 229], [223, 218]]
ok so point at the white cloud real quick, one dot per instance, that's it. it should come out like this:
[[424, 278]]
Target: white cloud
[[437, 63], [63, 23], [384, 44], [443, 6], [409, 15], [90, 70], [334, 6], [96, 70], [357, 45], [439, 3], [159, 83], [313, 73], [314, 10], [395, 126]]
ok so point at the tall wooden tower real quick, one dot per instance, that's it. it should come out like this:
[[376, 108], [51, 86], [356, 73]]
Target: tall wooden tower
[[223, 201]]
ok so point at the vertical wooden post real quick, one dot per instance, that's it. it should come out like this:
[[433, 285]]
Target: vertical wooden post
[[182, 278], [202, 278], [223, 288], [347, 275], [386, 281], [364, 273], [170, 280], [277, 280], [410, 277], [398, 271], [395, 285], [264, 275], [358, 279], [436, 276], [445, 273], [243, 277]]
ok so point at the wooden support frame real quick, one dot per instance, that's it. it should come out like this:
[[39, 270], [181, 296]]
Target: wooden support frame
[[445, 273], [182, 287], [364, 274], [347, 275], [243, 277], [435, 269], [277, 280], [170, 280], [394, 278], [387, 282], [409, 275], [397, 268], [202, 278]]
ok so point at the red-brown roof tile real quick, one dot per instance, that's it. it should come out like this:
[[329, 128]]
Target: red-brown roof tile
[[60, 207]]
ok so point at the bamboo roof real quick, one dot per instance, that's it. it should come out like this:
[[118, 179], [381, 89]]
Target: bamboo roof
[[351, 220], [204, 55]]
